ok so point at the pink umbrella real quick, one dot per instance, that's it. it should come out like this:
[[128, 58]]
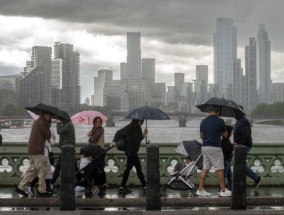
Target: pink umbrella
[[86, 117]]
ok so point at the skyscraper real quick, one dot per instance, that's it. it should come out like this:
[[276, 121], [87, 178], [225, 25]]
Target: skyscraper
[[133, 55], [36, 82], [225, 55], [250, 75], [104, 75], [70, 93], [263, 65]]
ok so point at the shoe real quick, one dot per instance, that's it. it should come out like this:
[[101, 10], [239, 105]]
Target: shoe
[[226, 193], [44, 194], [258, 182], [202, 193], [104, 186], [124, 190], [79, 188], [21, 192], [30, 189]]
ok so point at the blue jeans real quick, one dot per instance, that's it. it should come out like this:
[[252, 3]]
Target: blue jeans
[[228, 173], [250, 172]]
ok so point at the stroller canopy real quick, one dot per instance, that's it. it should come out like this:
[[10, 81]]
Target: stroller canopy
[[192, 149]]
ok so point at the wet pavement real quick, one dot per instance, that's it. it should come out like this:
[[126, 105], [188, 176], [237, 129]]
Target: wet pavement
[[178, 201]]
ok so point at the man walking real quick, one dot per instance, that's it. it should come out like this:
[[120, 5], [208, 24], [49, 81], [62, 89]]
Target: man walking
[[242, 136], [211, 130], [39, 134]]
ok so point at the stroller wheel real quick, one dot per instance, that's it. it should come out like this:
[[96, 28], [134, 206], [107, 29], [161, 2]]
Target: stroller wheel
[[95, 190]]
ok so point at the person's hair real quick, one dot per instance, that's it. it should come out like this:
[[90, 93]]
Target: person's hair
[[214, 108], [95, 120], [134, 122], [229, 129]]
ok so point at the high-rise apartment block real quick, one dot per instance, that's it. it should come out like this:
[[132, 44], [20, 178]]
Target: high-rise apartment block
[[225, 55], [66, 76], [251, 94], [133, 55], [36, 80], [263, 65]]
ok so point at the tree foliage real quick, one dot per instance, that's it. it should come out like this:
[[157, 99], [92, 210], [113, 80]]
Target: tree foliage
[[269, 110]]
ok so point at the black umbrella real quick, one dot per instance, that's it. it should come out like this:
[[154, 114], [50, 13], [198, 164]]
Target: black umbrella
[[53, 111], [227, 107], [145, 113]]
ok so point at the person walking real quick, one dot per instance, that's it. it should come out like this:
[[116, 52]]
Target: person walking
[[66, 131], [242, 136], [133, 136], [211, 130], [228, 148], [49, 174], [39, 134]]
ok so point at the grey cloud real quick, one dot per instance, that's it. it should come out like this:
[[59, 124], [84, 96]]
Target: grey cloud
[[183, 21]]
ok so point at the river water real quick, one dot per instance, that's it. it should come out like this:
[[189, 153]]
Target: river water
[[159, 131]]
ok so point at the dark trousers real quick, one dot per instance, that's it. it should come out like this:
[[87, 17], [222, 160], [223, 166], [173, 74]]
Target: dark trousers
[[57, 169], [133, 161]]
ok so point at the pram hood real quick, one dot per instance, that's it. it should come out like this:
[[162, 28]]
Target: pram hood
[[192, 149], [96, 152]]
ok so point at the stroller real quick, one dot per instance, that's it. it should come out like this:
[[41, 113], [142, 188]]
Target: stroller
[[181, 179], [91, 170]]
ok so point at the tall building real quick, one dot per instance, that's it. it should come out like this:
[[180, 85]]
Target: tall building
[[133, 55], [123, 71], [36, 81], [263, 65], [277, 92], [104, 75], [225, 55], [238, 87], [70, 91], [179, 80], [148, 69], [251, 94], [202, 73]]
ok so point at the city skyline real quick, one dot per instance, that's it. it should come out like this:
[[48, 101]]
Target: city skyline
[[179, 35]]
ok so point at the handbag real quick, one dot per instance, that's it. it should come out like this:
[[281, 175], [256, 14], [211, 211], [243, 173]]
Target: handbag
[[120, 144]]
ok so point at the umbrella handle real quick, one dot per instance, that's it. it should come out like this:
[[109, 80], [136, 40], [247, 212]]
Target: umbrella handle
[[147, 142]]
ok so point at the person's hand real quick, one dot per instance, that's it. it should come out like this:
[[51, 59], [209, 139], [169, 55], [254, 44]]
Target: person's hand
[[113, 144], [89, 134], [58, 121], [145, 132]]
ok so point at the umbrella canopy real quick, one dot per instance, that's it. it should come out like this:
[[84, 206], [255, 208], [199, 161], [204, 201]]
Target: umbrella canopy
[[53, 111], [227, 107], [147, 112], [192, 149], [87, 117]]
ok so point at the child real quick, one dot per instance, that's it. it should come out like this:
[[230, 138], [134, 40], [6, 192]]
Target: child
[[227, 148], [178, 167]]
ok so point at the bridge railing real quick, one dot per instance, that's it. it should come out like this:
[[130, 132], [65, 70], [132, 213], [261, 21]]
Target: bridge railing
[[265, 159]]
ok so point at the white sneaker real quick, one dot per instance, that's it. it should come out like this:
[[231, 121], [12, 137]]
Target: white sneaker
[[202, 193], [225, 193], [79, 188]]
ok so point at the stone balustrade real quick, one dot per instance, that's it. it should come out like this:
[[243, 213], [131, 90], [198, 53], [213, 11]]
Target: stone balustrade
[[265, 159]]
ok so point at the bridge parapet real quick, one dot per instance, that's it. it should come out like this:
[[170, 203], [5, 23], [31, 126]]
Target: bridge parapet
[[265, 159]]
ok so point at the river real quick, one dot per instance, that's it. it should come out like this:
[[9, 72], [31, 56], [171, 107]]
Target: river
[[159, 131]]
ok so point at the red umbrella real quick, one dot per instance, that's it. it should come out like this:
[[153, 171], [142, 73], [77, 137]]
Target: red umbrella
[[86, 117]]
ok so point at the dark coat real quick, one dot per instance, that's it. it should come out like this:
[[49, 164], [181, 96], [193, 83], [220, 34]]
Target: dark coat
[[132, 135], [40, 132], [227, 149], [242, 132], [66, 132]]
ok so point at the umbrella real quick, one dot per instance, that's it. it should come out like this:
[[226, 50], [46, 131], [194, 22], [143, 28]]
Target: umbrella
[[192, 149], [53, 111], [227, 107], [147, 112], [87, 117]]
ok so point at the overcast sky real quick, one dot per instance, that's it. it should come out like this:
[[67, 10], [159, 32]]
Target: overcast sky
[[177, 33]]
